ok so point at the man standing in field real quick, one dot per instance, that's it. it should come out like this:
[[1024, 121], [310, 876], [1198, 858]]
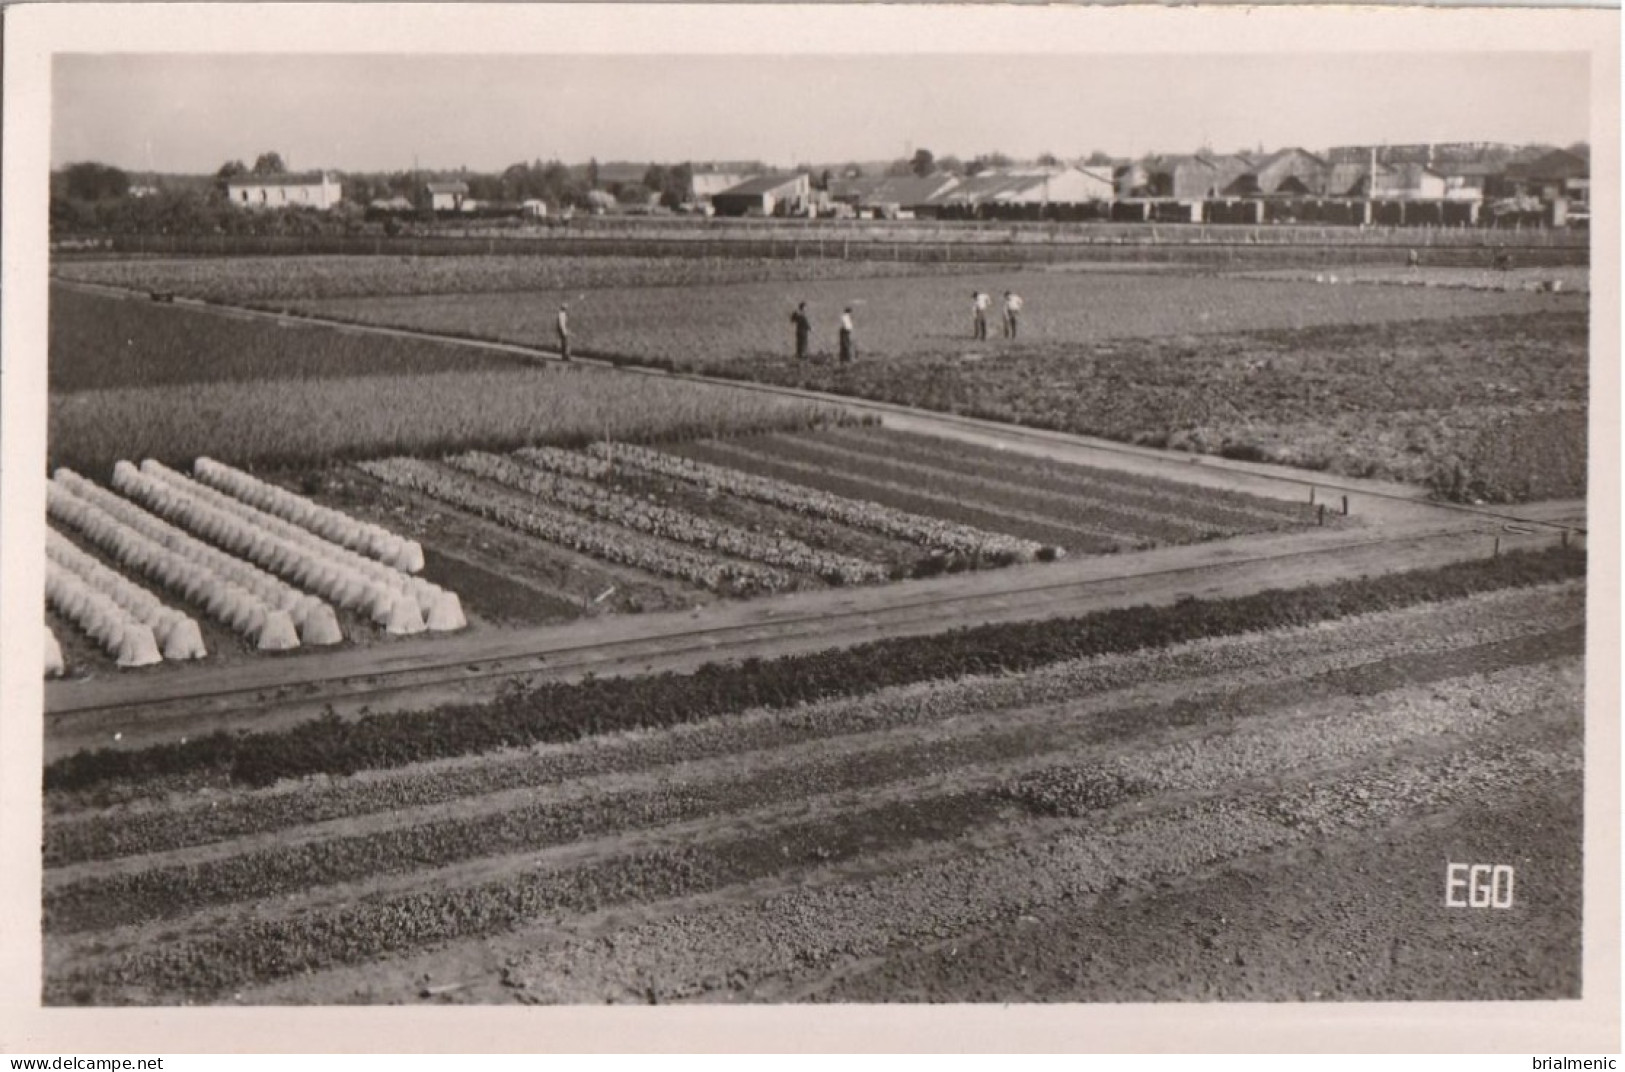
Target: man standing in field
[[979, 303], [803, 330], [849, 346], [1012, 311], [562, 325]]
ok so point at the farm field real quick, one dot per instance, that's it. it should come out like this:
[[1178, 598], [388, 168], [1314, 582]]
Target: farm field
[[898, 821], [1281, 369], [1491, 408], [1288, 370], [247, 392], [752, 699], [546, 535], [691, 327], [278, 280]]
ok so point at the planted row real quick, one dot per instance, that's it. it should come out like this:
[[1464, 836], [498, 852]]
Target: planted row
[[916, 529], [176, 633], [609, 542], [560, 711], [605, 504], [371, 540]]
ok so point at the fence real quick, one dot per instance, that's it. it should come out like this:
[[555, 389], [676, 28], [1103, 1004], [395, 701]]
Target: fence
[[1147, 244]]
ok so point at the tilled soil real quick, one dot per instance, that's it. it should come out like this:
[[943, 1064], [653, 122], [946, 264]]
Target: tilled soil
[[1032, 838]]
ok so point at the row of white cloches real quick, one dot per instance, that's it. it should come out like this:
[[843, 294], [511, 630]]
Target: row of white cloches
[[273, 615], [400, 603], [177, 634], [126, 639], [333, 525]]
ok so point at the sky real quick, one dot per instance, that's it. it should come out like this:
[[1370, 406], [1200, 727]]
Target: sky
[[189, 113]]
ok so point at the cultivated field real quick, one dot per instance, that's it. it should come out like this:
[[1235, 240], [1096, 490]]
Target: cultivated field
[[400, 669], [1416, 383], [1122, 807]]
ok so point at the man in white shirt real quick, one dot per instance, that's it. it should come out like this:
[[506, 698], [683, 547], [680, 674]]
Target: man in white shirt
[[979, 305], [1012, 310], [849, 347]]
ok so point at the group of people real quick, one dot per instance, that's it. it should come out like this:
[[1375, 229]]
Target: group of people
[[981, 302], [803, 327]]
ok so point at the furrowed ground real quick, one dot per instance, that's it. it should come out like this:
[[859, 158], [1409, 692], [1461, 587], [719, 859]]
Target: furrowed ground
[[917, 834]]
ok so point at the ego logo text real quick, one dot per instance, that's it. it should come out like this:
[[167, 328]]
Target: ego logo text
[[1478, 886]]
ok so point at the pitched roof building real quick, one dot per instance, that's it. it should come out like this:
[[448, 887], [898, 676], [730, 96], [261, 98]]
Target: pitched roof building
[[313, 189]]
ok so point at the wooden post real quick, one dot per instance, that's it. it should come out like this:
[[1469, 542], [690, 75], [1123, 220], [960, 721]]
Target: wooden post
[[1320, 514], [1311, 495], [1497, 553], [1345, 506], [1565, 537]]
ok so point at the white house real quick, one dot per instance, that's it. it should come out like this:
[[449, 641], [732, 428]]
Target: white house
[[446, 196], [314, 189], [534, 207]]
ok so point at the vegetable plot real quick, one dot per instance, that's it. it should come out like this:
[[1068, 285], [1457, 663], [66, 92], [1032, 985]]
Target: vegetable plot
[[677, 525], [609, 542], [930, 532]]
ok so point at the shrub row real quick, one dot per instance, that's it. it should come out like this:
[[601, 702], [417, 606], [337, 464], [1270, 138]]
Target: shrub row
[[559, 711]]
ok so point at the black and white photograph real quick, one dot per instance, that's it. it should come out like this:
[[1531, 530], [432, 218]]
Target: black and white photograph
[[1031, 510]]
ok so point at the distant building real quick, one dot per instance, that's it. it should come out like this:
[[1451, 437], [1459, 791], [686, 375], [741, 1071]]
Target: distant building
[[1288, 173], [704, 185], [769, 195], [1552, 175], [893, 195], [446, 196], [535, 208], [1407, 182], [314, 189], [1469, 180]]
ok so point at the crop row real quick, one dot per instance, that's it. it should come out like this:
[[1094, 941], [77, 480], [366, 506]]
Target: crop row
[[394, 600], [1157, 496], [917, 529], [679, 526], [237, 953], [560, 711], [176, 633], [251, 602], [609, 542], [946, 501], [1244, 659], [371, 540], [1093, 518], [1016, 738]]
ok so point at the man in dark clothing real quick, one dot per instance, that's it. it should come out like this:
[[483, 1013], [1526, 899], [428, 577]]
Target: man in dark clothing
[[803, 330], [562, 325]]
